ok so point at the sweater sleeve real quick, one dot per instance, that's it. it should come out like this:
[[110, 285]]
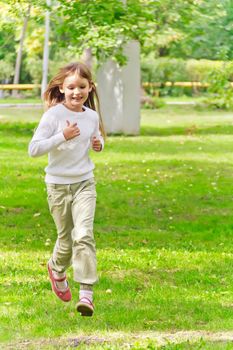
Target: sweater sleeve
[[97, 132], [44, 139]]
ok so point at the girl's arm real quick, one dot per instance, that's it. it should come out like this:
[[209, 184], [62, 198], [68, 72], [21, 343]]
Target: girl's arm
[[96, 136], [44, 139]]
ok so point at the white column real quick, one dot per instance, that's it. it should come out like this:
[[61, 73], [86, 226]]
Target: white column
[[131, 90], [119, 92]]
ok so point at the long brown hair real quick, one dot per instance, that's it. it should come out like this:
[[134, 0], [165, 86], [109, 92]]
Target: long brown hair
[[53, 96]]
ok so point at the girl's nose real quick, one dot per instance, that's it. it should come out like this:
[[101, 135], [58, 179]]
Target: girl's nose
[[76, 90]]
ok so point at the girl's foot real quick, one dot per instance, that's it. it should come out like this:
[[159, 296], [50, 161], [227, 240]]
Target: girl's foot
[[85, 307], [64, 294]]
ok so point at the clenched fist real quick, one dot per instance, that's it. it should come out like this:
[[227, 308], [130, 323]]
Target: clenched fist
[[71, 131], [96, 144]]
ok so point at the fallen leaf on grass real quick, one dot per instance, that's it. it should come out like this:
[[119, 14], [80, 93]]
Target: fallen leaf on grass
[[15, 210], [150, 322], [36, 215], [48, 242]]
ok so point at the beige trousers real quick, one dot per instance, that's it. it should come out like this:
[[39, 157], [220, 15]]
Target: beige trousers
[[73, 210]]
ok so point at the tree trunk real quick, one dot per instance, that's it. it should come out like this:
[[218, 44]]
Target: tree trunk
[[46, 52], [20, 52], [87, 58]]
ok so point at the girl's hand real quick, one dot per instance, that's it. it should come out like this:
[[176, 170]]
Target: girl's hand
[[71, 131], [96, 144]]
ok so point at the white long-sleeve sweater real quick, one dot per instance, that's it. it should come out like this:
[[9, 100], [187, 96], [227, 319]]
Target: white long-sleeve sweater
[[68, 161]]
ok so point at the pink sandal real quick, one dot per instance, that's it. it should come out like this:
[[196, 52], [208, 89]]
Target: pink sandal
[[63, 295], [85, 307]]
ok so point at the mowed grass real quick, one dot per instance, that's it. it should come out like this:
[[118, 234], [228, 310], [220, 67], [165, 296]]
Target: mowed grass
[[163, 230]]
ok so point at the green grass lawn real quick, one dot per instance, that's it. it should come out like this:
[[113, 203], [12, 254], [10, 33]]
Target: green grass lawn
[[163, 228], [12, 100]]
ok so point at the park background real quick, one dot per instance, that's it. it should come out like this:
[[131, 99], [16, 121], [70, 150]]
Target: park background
[[163, 222]]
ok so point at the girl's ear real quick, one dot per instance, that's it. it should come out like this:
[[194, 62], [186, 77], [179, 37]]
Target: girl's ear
[[61, 90]]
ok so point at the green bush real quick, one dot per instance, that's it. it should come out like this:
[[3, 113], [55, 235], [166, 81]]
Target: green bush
[[170, 69], [200, 70], [220, 90], [152, 103], [6, 70], [217, 73], [162, 69]]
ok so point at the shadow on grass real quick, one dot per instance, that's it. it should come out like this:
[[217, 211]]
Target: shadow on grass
[[18, 128], [28, 129], [191, 130]]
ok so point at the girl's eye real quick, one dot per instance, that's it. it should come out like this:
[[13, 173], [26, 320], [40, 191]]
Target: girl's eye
[[72, 87]]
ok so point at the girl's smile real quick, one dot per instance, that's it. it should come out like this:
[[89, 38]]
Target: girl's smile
[[76, 90]]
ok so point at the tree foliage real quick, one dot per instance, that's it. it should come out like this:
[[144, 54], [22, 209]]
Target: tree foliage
[[106, 26], [209, 33], [181, 28], [103, 26]]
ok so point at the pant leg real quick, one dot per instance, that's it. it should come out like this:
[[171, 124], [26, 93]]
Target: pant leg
[[60, 199], [84, 250]]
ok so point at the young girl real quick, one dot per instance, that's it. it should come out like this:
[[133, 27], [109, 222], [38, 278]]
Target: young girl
[[67, 130]]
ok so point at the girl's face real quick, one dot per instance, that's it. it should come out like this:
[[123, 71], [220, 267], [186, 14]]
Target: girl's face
[[76, 90]]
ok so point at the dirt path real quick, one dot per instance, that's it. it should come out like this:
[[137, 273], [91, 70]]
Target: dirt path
[[123, 339]]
